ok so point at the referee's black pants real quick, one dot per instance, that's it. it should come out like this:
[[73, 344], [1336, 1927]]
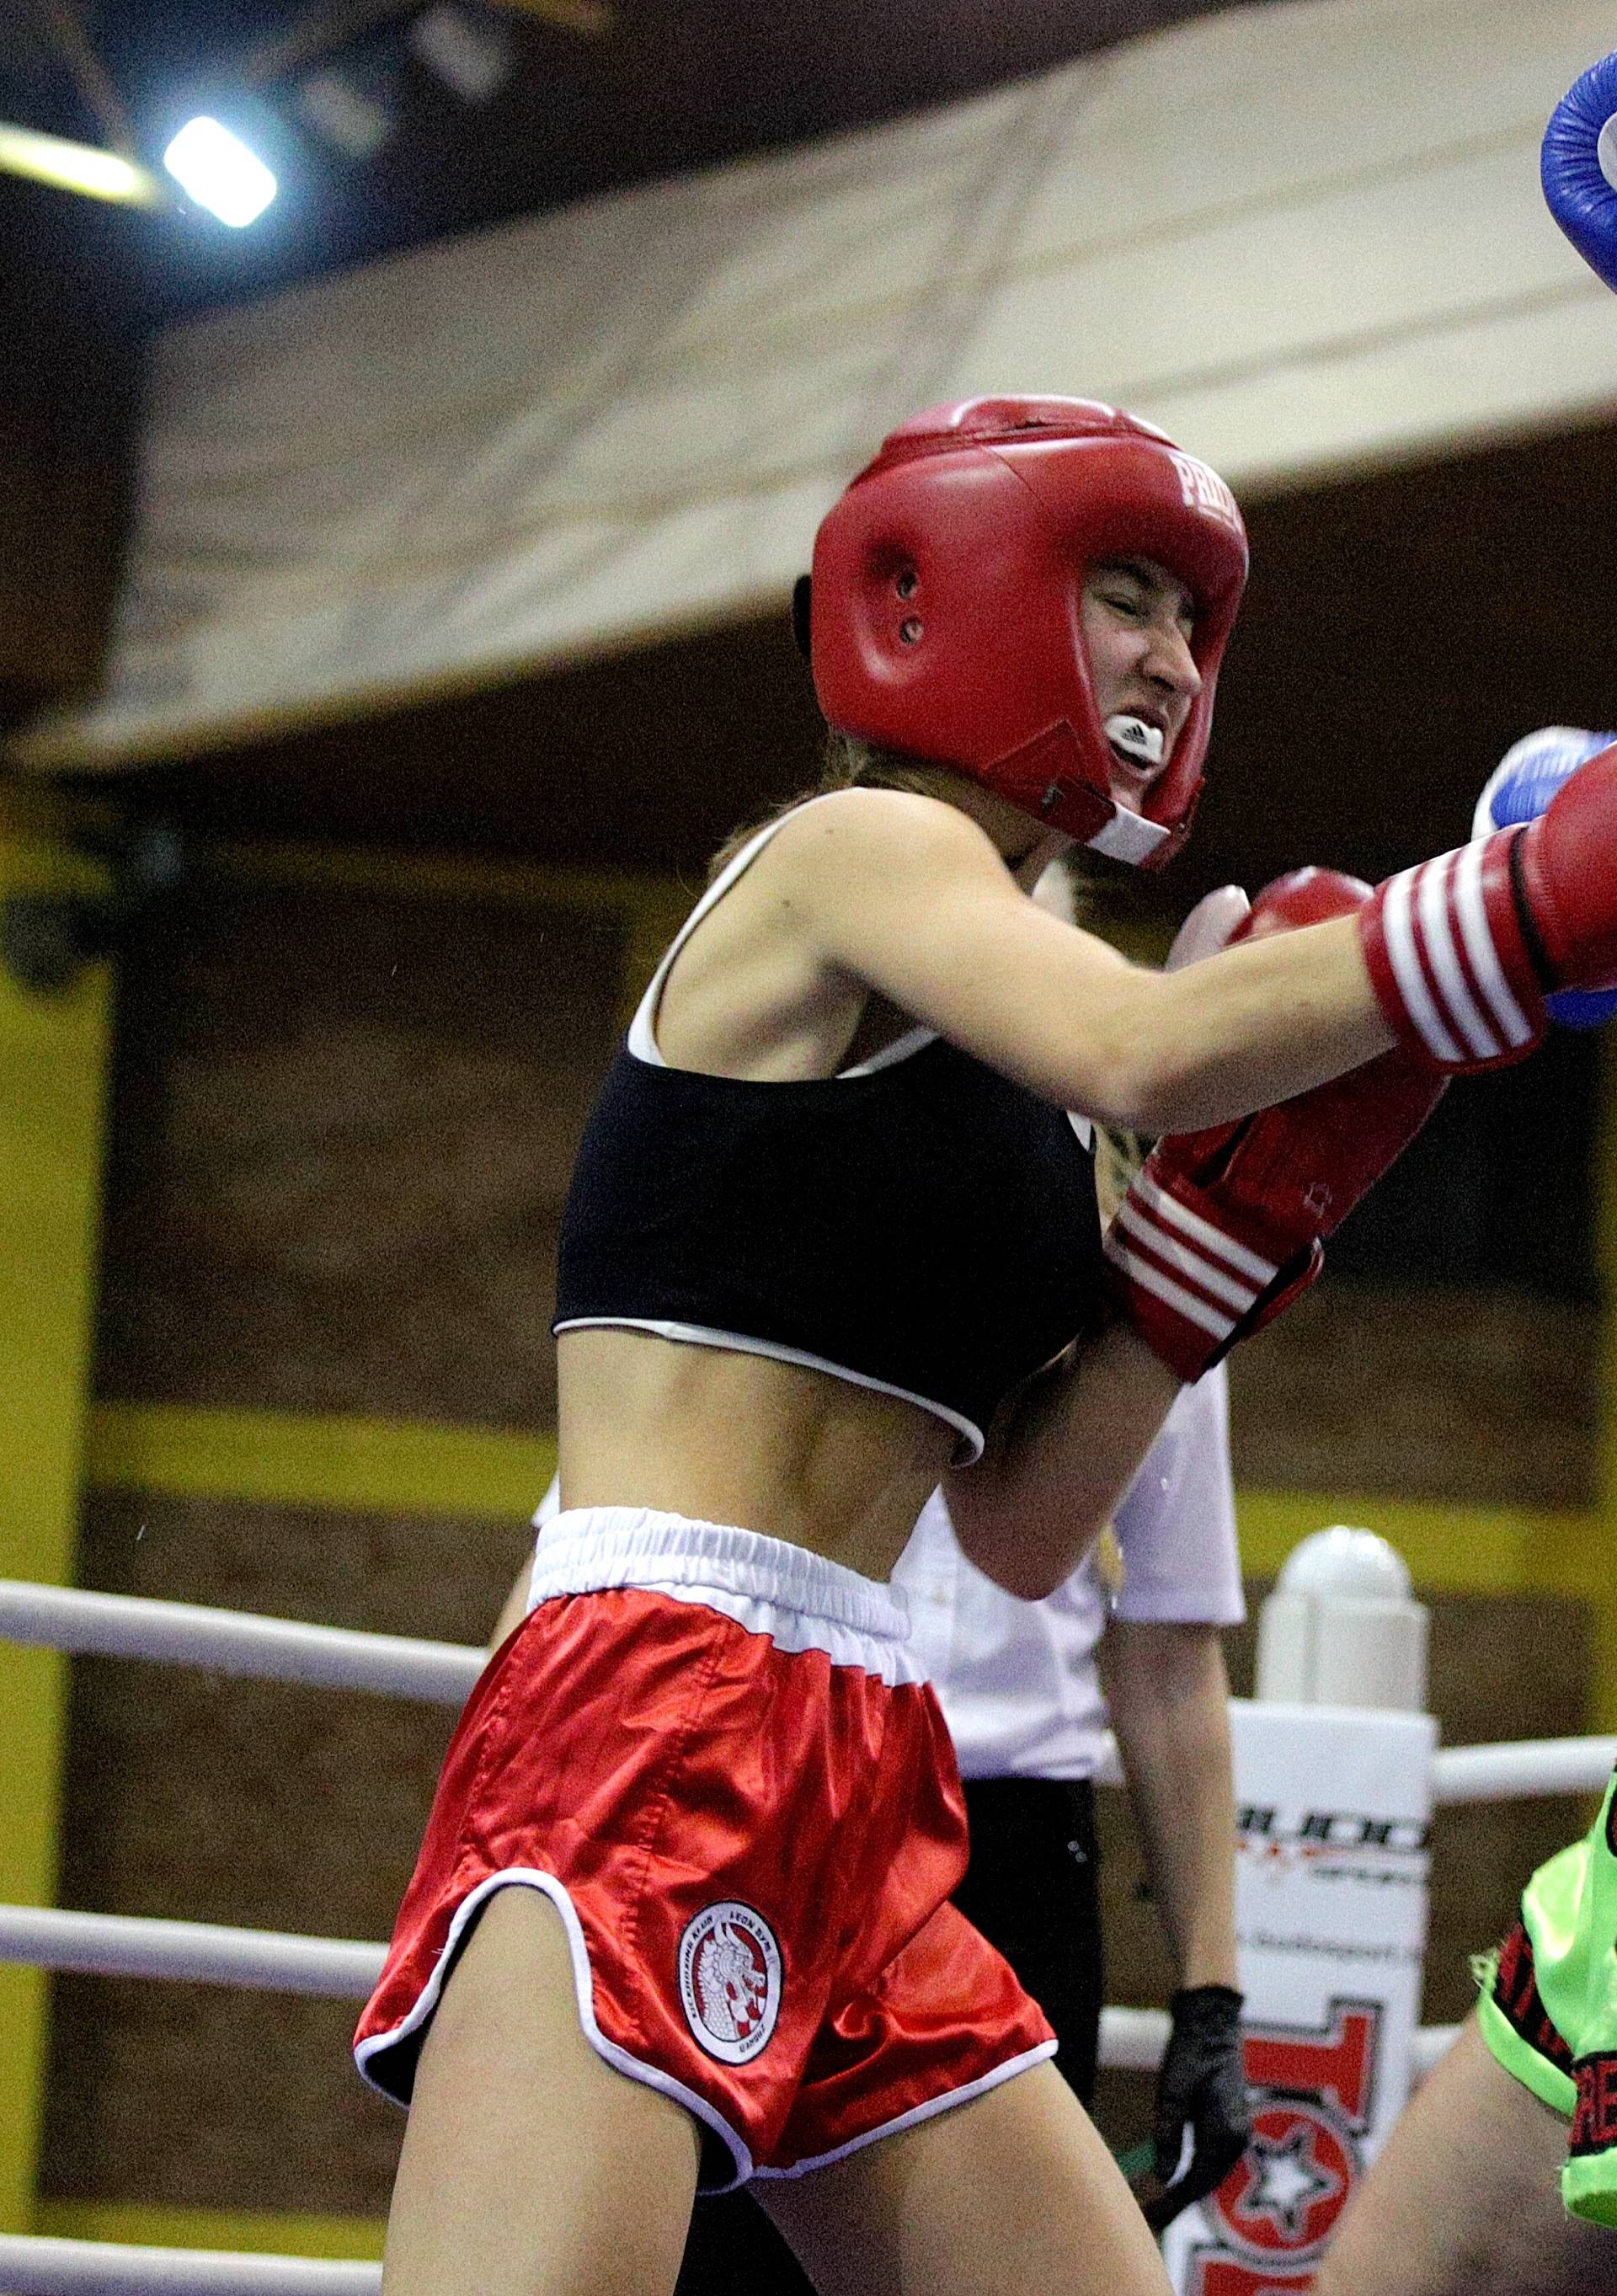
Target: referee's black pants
[[1030, 1888]]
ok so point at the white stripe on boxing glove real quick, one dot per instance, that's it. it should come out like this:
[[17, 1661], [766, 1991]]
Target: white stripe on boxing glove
[[1449, 958], [1148, 1278], [1519, 1032], [1219, 1273], [1145, 1193], [1183, 1261]]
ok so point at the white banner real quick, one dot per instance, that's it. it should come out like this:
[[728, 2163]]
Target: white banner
[[1300, 237], [1333, 1812]]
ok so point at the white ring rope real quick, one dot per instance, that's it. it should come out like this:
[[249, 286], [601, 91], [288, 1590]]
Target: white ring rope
[[270, 1961], [1132, 2040], [76, 1620], [395, 1666], [199, 1953], [273, 1649], [1528, 1765], [30, 2266]]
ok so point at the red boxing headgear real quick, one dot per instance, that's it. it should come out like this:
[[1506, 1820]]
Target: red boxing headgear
[[947, 585]]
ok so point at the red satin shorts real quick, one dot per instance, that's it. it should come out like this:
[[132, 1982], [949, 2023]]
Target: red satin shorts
[[713, 1754]]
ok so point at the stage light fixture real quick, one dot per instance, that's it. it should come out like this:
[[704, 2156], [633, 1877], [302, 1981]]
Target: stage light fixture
[[83, 168], [472, 56], [220, 173]]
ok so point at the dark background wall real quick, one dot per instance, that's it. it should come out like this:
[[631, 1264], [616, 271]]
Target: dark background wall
[[69, 389], [343, 1127]]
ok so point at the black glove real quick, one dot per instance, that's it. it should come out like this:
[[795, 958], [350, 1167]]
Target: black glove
[[1202, 2083]]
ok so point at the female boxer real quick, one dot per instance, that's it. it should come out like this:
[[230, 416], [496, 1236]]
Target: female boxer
[[682, 1909], [1019, 1684]]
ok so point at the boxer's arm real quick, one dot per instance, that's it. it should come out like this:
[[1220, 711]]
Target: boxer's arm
[[1169, 1701], [514, 1609], [908, 894], [1059, 1459]]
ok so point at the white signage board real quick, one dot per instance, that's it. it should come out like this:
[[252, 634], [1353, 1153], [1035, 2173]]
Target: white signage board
[[1333, 1810]]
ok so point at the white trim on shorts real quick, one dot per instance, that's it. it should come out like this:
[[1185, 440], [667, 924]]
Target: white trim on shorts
[[919, 2112], [802, 1601], [532, 1877]]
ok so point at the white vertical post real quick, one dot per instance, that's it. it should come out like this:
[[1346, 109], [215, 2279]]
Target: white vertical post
[[1334, 1801], [1341, 1628]]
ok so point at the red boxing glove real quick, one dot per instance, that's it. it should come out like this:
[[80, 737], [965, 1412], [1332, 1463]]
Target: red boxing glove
[[1222, 1229], [1462, 950]]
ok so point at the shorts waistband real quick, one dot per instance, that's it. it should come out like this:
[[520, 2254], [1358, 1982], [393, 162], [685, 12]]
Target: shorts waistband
[[585, 1550]]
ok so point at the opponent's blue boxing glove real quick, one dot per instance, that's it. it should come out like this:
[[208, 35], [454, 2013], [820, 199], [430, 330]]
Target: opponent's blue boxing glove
[[1520, 787], [1578, 167]]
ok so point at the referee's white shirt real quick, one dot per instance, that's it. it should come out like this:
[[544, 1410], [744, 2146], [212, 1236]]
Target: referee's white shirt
[[1017, 1680]]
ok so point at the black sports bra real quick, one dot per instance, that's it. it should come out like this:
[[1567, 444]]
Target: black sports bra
[[918, 1224]]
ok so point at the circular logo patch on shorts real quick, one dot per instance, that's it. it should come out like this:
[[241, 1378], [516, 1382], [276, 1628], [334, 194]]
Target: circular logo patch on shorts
[[730, 1980]]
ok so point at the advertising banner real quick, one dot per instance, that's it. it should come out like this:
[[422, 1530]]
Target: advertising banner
[[1333, 1809]]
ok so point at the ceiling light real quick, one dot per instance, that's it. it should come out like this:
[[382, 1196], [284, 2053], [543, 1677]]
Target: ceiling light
[[344, 113], [471, 57], [76, 167], [219, 172]]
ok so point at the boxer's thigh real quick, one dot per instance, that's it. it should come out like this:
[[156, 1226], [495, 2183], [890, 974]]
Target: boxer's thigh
[[528, 2161], [1011, 2194], [1464, 2199]]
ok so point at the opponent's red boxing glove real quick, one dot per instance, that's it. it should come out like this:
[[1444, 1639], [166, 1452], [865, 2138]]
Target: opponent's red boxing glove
[[1462, 949], [1222, 1229]]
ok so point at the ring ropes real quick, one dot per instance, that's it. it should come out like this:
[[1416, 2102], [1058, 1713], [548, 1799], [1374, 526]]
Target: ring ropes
[[76, 1620]]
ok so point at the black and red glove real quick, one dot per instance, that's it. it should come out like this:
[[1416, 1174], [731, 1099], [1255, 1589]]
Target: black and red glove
[[1463, 949], [1222, 1229]]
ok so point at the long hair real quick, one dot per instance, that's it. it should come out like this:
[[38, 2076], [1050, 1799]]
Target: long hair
[[847, 762]]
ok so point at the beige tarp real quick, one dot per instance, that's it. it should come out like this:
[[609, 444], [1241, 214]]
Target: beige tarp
[[1300, 237]]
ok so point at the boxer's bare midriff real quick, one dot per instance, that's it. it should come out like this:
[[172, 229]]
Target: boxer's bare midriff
[[725, 1437]]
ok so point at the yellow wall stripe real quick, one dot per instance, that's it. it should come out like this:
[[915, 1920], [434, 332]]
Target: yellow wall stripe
[[1448, 1549], [280, 1458], [341, 2239], [398, 1467], [53, 1064], [407, 1467]]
